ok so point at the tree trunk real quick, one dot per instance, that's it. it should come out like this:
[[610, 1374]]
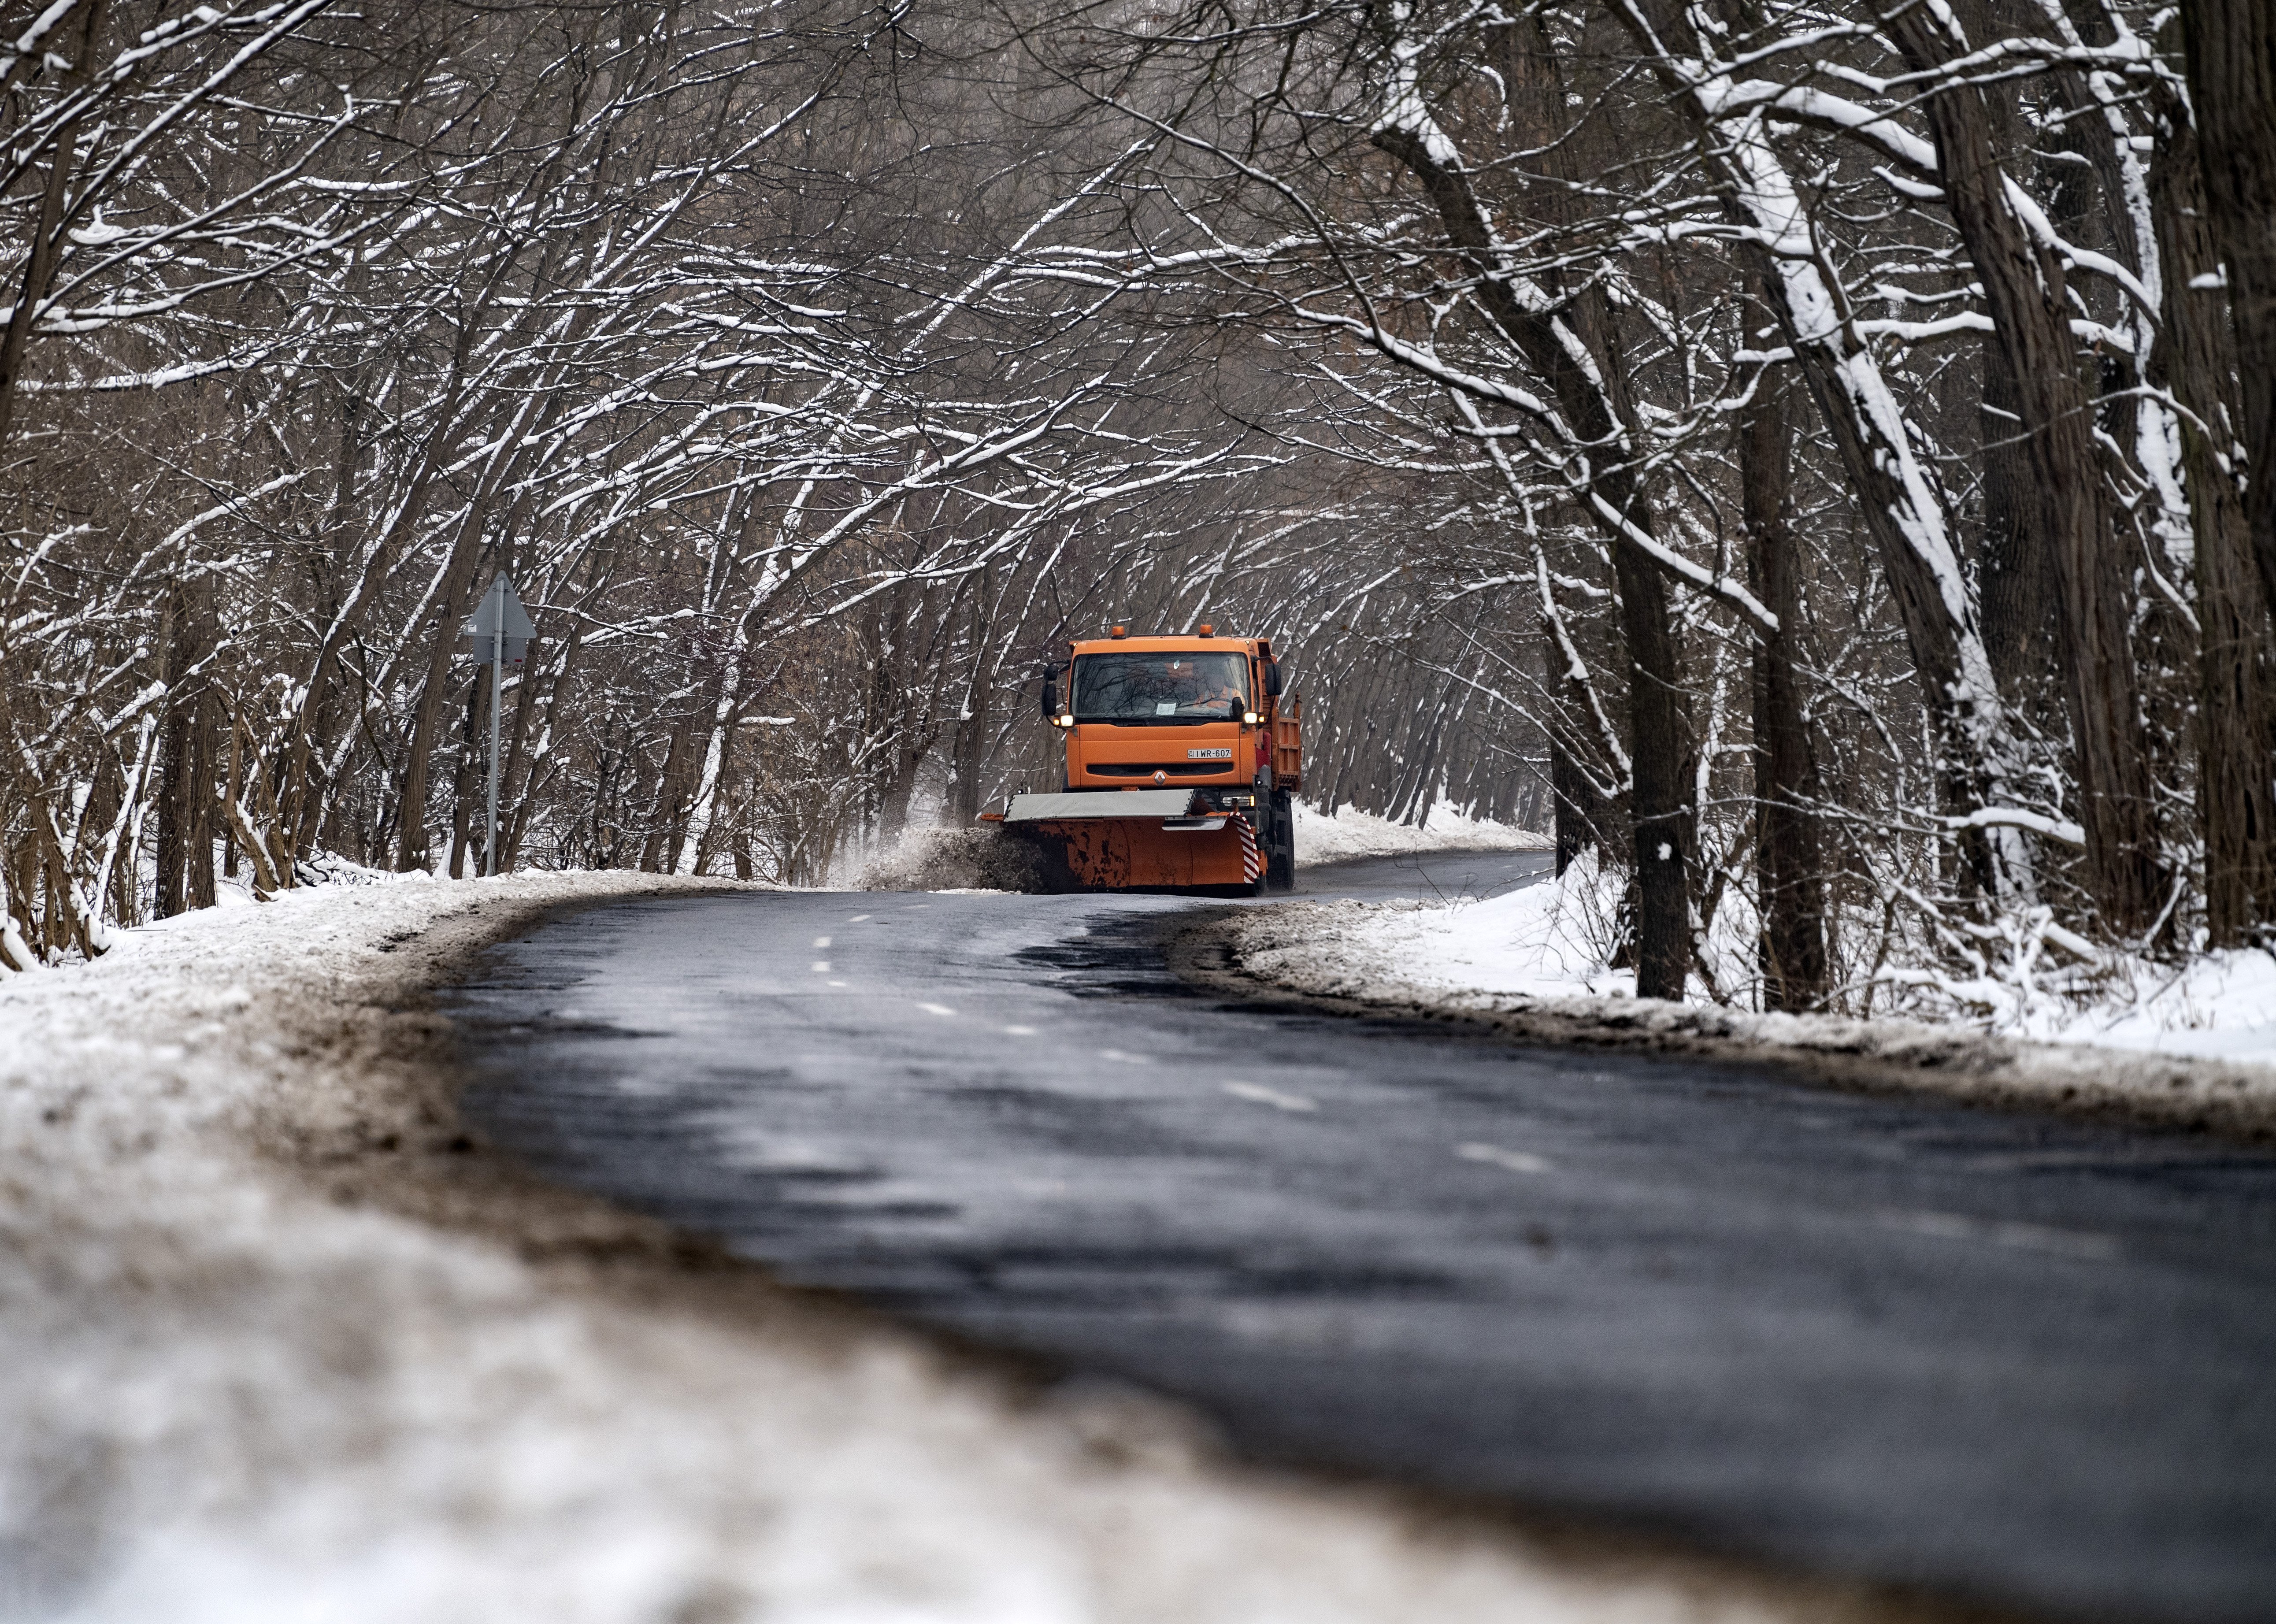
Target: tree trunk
[[2070, 506], [2195, 357], [1786, 850], [2018, 588], [185, 792], [2231, 68], [467, 797]]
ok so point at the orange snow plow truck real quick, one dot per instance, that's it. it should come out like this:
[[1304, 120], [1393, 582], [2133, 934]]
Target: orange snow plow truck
[[1183, 762]]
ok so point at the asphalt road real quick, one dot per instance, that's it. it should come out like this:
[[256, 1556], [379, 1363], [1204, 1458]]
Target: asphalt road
[[2010, 1357]]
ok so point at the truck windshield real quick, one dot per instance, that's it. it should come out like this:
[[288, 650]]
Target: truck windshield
[[1160, 689]]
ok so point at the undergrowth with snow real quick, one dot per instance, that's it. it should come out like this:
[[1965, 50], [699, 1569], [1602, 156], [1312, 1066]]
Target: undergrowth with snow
[[2193, 1043], [1558, 937]]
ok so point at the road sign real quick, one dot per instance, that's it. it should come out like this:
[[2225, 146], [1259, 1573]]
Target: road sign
[[499, 632], [500, 611]]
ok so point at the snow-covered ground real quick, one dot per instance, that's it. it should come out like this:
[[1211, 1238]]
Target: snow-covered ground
[[1551, 940], [1351, 833], [2220, 1005], [1546, 939], [277, 1344], [2194, 1045]]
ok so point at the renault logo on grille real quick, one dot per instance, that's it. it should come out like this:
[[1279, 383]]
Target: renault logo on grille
[[1160, 776]]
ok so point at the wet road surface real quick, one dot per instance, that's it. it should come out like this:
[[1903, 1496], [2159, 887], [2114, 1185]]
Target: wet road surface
[[2004, 1356]]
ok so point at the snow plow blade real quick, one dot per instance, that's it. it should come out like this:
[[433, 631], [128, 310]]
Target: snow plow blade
[[1112, 803], [1148, 839]]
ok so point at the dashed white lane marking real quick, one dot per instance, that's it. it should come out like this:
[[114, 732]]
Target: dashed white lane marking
[[1127, 1059], [822, 967], [1020, 1031], [821, 941], [2021, 1237], [1494, 1156], [1258, 1094], [837, 983], [937, 1009], [858, 918]]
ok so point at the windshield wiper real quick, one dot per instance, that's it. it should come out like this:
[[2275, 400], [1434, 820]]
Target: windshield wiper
[[1154, 721]]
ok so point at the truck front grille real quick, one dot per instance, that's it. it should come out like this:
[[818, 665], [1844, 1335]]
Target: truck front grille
[[1147, 769]]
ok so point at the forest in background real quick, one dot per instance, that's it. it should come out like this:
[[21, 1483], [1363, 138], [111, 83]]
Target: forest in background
[[1801, 451]]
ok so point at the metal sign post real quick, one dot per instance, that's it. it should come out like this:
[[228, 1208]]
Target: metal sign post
[[501, 630]]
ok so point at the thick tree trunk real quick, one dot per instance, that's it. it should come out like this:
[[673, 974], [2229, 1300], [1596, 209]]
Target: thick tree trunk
[[2196, 358], [1787, 849], [2231, 68], [660, 850], [2071, 507], [2017, 584], [188, 756], [467, 799]]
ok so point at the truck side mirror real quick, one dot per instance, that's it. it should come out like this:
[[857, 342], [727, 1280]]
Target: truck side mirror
[[1050, 695], [1273, 678]]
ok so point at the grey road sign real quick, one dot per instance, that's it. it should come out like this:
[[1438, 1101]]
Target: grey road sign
[[500, 631], [500, 611]]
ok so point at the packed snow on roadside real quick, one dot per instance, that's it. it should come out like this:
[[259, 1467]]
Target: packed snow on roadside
[[241, 1381], [1549, 940], [1553, 940], [1351, 833]]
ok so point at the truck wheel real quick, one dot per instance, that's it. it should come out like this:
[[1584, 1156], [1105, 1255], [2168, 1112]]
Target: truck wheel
[[1280, 854]]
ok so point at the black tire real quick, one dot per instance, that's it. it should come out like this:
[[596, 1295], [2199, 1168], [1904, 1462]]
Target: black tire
[[1280, 844]]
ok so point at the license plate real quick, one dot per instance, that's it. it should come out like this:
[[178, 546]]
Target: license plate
[[1222, 754]]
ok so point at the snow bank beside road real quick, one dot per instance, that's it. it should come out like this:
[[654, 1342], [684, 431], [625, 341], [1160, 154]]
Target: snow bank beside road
[[1551, 940], [1530, 964], [276, 1342], [1542, 940]]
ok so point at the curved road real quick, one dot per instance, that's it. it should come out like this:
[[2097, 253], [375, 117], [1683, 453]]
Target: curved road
[[2006, 1357]]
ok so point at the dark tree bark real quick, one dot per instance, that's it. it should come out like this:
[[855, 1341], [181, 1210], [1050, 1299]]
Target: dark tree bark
[[1787, 849], [2071, 507], [184, 792], [2015, 573], [2232, 70], [2196, 358], [466, 787], [2018, 593]]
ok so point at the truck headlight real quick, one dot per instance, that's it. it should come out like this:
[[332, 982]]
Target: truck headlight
[[1251, 718]]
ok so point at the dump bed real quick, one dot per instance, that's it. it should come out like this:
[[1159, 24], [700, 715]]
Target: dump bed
[[1288, 744]]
